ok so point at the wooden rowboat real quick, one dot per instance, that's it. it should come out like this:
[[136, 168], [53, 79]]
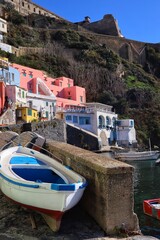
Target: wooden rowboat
[[40, 183], [151, 207]]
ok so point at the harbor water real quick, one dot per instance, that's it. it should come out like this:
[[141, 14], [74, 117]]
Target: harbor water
[[146, 186]]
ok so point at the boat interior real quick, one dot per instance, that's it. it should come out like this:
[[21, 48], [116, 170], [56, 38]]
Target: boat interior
[[32, 169]]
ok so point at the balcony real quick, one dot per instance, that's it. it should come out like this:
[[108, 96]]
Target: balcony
[[100, 126]]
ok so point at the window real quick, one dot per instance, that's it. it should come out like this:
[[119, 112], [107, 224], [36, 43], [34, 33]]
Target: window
[[52, 83], [69, 85], [69, 93], [69, 118], [131, 123], [101, 121], [47, 114], [34, 9], [2, 25], [75, 119], [108, 121], [28, 6], [39, 12], [52, 104], [24, 74], [29, 112], [84, 120], [19, 93], [7, 76], [22, 94], [60, 84], [23, 4], [12, 77], [47, 104]]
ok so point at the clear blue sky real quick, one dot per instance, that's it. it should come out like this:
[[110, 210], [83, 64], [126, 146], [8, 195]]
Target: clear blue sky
[[138, 19]]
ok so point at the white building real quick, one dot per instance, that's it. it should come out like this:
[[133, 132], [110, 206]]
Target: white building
[[44, 103], [126, 133], [101, 120], [16, 96], [96, 118], [3, 28]]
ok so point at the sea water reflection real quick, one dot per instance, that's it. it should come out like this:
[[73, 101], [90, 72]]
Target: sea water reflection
[[146, 186]]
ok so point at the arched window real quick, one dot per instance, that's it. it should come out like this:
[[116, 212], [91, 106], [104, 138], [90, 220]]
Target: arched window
[[114, 122], [101, 122], [108, 121]]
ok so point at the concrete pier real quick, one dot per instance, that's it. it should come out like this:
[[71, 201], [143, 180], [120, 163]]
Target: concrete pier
[[109, 196]]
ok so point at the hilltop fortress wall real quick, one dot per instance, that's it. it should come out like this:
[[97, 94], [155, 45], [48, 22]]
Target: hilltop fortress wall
[[130, 50], [108, 25], [26, 7]]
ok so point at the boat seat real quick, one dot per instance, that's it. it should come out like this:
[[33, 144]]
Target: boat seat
[[25, 160]]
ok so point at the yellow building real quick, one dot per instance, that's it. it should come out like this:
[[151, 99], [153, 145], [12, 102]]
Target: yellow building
[[26, 114]]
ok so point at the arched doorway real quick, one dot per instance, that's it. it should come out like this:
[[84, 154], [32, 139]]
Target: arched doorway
[[104, 139]]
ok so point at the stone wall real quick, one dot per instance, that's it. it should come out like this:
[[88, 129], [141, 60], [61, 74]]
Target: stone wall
[[108, 25], [133, 51], [109, 196], [21, 51], [27, 7], [55, 129], [81, 139]]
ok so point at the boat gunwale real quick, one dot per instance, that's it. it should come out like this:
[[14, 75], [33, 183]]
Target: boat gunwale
[[31, 184]]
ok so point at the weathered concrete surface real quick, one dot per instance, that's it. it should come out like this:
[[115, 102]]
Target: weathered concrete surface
[[109, 197]]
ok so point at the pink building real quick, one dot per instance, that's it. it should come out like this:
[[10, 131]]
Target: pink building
[[63, 88]]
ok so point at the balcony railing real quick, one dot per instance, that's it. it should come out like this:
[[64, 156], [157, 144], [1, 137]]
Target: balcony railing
[[100, 126]]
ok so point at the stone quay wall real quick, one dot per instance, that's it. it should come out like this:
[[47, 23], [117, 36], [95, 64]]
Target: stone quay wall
[[109, 196]]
